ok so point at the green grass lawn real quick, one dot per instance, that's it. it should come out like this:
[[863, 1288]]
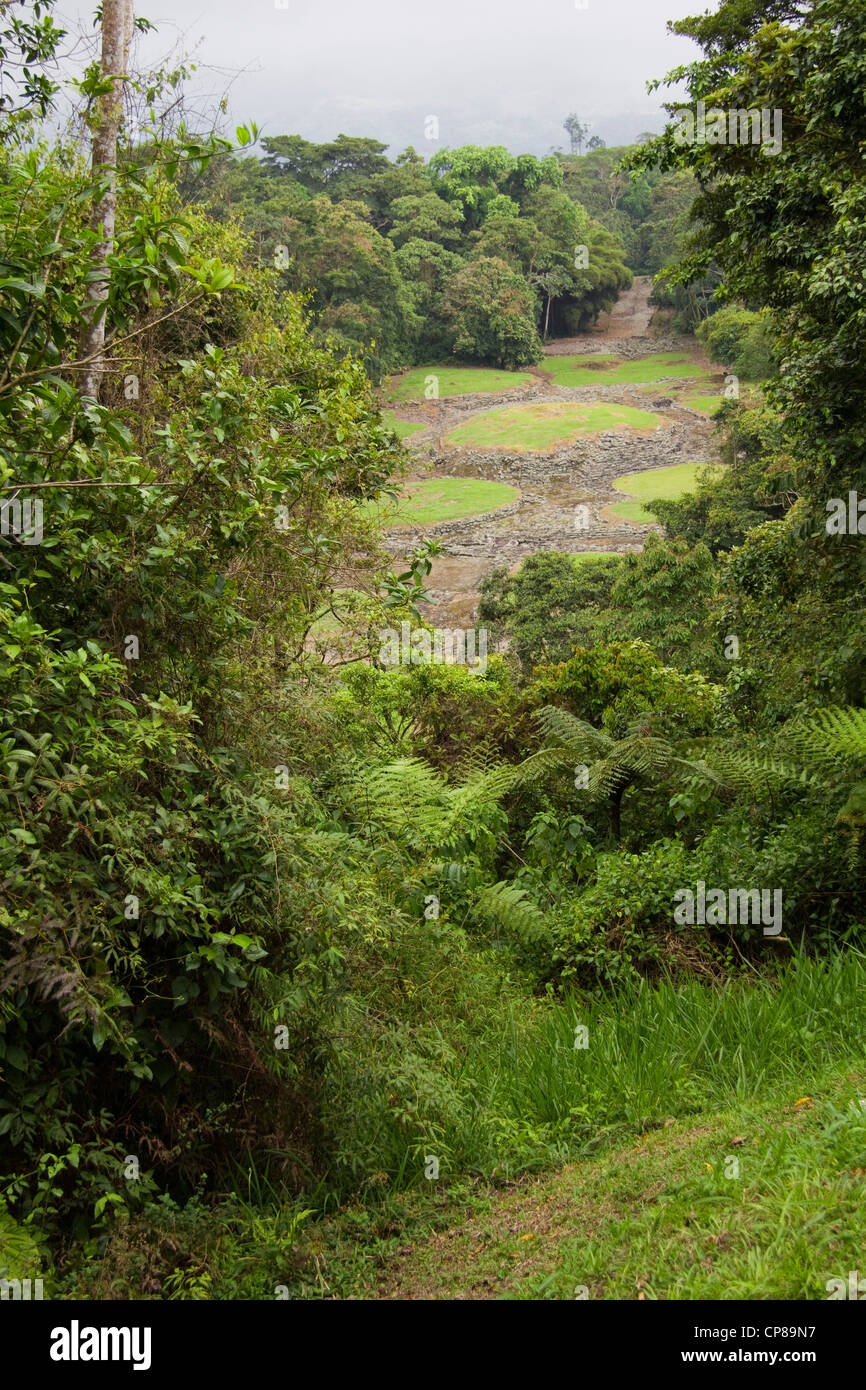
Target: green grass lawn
[[545, 424], [432, 500], [761, 1200], [402, 428], [452, 381], [666, 483], [708, 1142], [614, 371], [583, 556], [706, 404]]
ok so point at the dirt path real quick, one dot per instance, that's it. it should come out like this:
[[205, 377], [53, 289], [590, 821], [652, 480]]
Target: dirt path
[[522, 1234], [654, 1214], [629, 318]]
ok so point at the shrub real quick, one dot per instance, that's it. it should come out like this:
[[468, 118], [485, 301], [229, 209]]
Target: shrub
[[742, 340]]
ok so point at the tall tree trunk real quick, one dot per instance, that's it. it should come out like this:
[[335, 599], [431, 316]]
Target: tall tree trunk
[[547, 316], [117, 22], [615, 804]]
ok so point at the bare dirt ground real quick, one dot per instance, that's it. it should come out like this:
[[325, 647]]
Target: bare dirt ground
[[629, 318], [552, 485]]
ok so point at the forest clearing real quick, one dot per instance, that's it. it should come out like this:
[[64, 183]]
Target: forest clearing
[[432, 693]]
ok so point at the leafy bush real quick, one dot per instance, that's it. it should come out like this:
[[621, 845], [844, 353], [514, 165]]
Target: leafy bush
[[490, 313], [550, 606], [149, 940], [742, 340]]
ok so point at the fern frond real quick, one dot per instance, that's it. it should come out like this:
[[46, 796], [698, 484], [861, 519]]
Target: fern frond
[[410, 799], [756, 774], [833, 736], [559, 727], [645, 757], [512, 908], [541, 765], [474, 802], [406, 796]]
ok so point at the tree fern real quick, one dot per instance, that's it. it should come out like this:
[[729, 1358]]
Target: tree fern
[[405, 796], [750, 773], [613, 765], [413, 801], [559, 728], [474, 803], [511, 907], [834, 736], [802, 753]]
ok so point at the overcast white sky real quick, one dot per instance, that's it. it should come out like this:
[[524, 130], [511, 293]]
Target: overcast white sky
[[492, 71]]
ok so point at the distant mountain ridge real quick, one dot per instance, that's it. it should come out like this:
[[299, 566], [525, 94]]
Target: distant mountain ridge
[[529, 134]]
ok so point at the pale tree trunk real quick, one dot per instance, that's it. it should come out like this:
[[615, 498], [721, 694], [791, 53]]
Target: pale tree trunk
[[117, 22]]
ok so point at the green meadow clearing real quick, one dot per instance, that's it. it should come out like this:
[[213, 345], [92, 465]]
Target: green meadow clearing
[[652, 483], [708, 1144], [604, 370], [584, 555], [402, 428], [451, 381], [706, 404], [546, 424], [432, 500]]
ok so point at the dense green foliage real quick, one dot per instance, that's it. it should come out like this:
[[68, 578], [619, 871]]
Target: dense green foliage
[[280, 921], [647, 210], [742, 340], [473, 256], [194, 521]]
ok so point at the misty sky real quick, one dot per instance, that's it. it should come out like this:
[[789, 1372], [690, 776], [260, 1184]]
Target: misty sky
[[492, 71]]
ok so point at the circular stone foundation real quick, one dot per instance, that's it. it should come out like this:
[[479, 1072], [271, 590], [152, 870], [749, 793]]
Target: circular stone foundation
[[544, 425]]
